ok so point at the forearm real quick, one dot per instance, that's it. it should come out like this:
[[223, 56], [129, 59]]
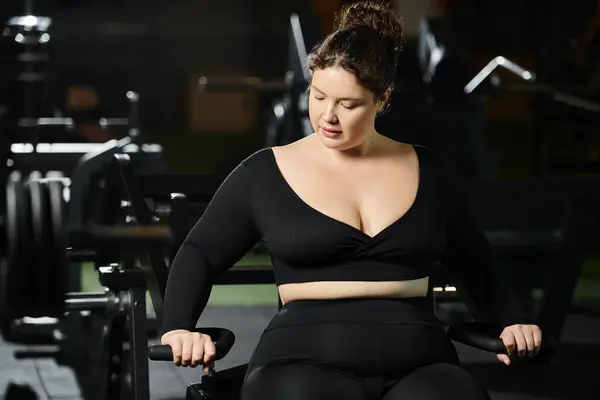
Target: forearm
[[489, 288], [188, 289], [486, 287], [220, 238]]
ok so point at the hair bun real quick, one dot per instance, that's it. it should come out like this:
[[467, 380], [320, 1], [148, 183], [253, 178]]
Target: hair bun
[[375, 15]]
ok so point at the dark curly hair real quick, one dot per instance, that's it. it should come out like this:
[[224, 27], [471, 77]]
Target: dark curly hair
[[367, 41]]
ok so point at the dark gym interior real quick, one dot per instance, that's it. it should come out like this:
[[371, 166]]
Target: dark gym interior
[[118, 115]]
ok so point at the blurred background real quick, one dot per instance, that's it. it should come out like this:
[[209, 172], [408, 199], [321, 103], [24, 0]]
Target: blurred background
[[507, 91], [98, 50]]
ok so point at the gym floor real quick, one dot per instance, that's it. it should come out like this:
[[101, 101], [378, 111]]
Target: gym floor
[[246, 310]]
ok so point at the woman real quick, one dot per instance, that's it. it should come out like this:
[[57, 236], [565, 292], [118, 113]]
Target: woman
[[355, 224]]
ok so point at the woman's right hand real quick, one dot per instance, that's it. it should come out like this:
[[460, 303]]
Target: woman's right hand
[[190, 348]]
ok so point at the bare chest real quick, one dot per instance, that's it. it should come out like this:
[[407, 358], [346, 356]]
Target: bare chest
[[368, 198]]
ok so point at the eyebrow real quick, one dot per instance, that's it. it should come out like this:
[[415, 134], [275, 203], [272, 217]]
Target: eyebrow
[[345, 98]]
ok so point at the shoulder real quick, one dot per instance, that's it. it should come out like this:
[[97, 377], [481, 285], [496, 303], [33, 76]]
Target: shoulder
[[427, 157], [258, 171], [295, 153], [397, 147], [262, 163], [248, 176], [431, 159], [426, 152], [256, 164], [258, 159], [247, 171]]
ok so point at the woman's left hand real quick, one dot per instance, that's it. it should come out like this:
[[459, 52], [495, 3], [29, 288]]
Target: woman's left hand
[[520, 341]]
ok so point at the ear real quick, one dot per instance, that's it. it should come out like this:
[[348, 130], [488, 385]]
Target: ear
[[381, 104]]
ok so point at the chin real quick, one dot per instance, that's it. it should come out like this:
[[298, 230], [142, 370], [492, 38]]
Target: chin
[[337, 144]]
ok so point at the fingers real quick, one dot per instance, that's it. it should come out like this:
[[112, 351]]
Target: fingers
[[503, 358], [176, 347], [521, 341], [198, 351], [190, 348], [187, 350], [210, 350], [209, 354], [510, 342], [529, 341], [537, 340], [173, 339], [521, 349]]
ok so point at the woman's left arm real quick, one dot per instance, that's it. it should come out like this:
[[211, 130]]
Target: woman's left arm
[[490, 292]]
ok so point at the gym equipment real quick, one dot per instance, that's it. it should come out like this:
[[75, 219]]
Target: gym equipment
[[31, 141], [448, 83], [131, 122], [226, 384], [30, 34], [444, 66], [288, 115], [37, 208], [42, 244], [65, 157], [30, 120], [540, 233], [102, 336], [20, 392], [169, 191], [560, 247], [551, 105], [495, 63], [526, 235], [117, 197], [173, 198], [289, 120], [77, 164]]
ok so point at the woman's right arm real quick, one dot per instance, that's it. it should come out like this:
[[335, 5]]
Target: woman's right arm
[[221, 237]]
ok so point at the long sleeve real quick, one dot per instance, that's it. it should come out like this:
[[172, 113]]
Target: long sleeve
[[221, 237], [469, 259]]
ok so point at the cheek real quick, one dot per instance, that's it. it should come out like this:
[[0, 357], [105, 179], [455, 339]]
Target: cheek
[[351, 121], [315, 111], [356, 121]]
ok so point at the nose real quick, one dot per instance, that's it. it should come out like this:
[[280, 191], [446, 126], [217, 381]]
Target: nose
[[329, 115]]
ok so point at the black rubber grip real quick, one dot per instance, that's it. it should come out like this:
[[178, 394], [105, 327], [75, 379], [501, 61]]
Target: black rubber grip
[[486, 337], [161, 352], [479, 335]]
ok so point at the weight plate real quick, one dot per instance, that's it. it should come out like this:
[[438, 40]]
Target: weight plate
[[57, 208], [34, 267], [14, 277], [43, 268], [13, 200]]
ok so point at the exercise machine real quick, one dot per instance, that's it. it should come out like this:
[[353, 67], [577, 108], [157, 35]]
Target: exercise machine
[[101, 336], [226, 384]]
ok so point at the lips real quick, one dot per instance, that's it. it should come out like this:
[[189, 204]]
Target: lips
[[332, 131]]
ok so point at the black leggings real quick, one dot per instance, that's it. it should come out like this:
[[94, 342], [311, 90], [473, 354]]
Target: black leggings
[[357, 350]]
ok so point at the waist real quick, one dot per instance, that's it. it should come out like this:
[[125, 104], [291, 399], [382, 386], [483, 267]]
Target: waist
[[418, 310], [371, 270], [331, 290]]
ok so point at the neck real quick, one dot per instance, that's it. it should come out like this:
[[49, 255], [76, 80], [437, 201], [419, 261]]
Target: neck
[[368, 148]]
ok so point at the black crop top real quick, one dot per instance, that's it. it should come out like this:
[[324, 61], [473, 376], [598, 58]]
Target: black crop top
[[256, 203]]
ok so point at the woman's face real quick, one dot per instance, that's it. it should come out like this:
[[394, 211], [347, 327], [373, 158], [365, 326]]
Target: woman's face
[[342, 111]]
